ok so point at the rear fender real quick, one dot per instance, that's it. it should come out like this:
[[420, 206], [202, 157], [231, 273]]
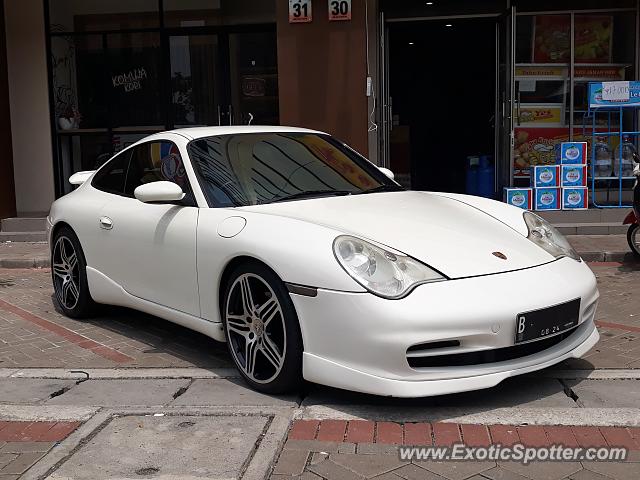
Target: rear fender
[[630, 219]]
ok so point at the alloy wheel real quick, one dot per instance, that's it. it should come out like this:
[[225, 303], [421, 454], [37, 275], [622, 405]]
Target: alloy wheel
[[256, 328], [66, 273]]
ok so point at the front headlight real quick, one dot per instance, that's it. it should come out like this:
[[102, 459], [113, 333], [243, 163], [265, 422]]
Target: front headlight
[[545, 235], [384, 273]]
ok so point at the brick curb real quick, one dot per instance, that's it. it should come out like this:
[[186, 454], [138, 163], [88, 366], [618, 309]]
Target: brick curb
[[327, 435], [19, 262]]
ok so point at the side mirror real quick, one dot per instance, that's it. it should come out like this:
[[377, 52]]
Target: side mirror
[[387, 172], [159, 192]]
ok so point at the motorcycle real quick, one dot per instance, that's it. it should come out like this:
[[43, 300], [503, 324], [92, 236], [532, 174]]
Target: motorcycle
[[633, 219]]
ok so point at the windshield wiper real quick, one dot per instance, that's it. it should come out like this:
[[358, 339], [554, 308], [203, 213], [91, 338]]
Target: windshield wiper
[[311, 194], [384, 188]]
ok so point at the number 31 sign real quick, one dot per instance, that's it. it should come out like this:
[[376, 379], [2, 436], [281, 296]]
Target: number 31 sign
[[300, 11], [339, 10]]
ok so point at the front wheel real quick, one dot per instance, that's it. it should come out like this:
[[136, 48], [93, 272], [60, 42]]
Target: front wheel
[[633, 237], [262, 329]]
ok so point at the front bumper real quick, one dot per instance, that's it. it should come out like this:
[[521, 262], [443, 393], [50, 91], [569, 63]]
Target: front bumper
[[358, 341]]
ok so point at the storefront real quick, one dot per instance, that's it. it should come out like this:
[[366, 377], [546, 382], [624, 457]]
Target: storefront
[[121, 70], [498, 86]]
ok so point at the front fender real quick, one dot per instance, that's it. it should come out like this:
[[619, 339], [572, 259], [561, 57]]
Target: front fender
[[630, 219]]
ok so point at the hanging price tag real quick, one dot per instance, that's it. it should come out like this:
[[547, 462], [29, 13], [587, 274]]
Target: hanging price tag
[[339, 10], [300, 11]]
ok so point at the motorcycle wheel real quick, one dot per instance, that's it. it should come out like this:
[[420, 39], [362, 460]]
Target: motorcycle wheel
[[633, 237]]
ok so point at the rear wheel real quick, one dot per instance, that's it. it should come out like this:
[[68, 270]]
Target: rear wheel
[[262, 329], [69, 275], [633, 237]]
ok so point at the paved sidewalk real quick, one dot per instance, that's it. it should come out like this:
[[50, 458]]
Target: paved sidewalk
[[22, 444], [593, 248], [358, 449]]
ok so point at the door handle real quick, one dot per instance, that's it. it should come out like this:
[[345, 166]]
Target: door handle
[[106, 223]]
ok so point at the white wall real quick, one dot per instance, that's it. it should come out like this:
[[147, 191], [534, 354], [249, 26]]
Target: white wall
[[29, 103]]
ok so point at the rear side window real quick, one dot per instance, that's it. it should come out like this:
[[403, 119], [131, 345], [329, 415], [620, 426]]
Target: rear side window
[[157, 161], [111, 177]]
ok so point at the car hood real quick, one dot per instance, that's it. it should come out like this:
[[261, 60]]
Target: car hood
[[450, 235]]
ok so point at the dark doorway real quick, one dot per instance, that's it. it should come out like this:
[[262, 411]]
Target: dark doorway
[[442, 85]]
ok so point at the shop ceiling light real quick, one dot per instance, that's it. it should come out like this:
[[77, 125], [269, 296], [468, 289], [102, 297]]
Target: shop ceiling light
[[448, 25]]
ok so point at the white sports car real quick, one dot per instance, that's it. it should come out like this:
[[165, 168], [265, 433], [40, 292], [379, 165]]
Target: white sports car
[[311, 262]]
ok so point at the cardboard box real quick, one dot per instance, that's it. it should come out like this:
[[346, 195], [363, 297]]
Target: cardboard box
[[574, 176], [546, 176], [547, 198], [519, 197], [575, 198], [573, 153]]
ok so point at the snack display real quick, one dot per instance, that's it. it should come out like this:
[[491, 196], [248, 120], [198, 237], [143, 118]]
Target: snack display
[[519, 197], [547, 198], [575, 198]]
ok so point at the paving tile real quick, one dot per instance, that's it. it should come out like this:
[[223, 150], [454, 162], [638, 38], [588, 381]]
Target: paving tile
[[415, 472], [615, 470], [311, 445], [360, 431], [589, 436], [23, 447], [446, 434], [457, 470], [377, 449], [389, 432], [332, 430], [332, 471], [21, 463], [533, 436], [417, 434], [499, 473], [475, 435], [367, 465], [542, 470], [587, 475], [291, 462], [304, 430], [58, 432], [506, 435], [618, 437], [5, 459], [561, 435]]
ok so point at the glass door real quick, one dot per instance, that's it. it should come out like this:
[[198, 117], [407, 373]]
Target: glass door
[[196, 80], [505, 105]]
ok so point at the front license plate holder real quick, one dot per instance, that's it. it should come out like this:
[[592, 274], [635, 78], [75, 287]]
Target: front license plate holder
[[546, 322]]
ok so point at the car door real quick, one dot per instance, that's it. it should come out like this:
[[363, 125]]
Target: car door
[[150, 249]]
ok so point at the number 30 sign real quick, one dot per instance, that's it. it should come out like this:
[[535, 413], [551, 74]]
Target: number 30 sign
[[300, 11], [339, 10]]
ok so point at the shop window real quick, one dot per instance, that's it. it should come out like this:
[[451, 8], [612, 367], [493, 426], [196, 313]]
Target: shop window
[[200, 13], [134, 89], [79, 82], [98, 15], [542, 75]]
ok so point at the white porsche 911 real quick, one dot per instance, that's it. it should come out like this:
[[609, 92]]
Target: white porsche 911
[[311, 262]]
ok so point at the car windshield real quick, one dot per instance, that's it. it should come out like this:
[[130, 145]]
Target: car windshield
[[259, 168]]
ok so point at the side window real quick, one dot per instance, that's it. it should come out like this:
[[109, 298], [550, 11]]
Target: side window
[[111, 177], [156, 161]]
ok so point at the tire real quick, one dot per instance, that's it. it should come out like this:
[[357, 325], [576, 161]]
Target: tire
[[69, 275], [262, 329], [633, 237]]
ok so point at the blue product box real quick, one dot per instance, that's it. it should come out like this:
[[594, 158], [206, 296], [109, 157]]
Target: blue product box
[[573, 153], [575, 198], [547, 198], [519, 197], [574, 175], [546, 176]]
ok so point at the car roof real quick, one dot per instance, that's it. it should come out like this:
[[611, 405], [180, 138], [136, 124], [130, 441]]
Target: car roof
[[198, 132]]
